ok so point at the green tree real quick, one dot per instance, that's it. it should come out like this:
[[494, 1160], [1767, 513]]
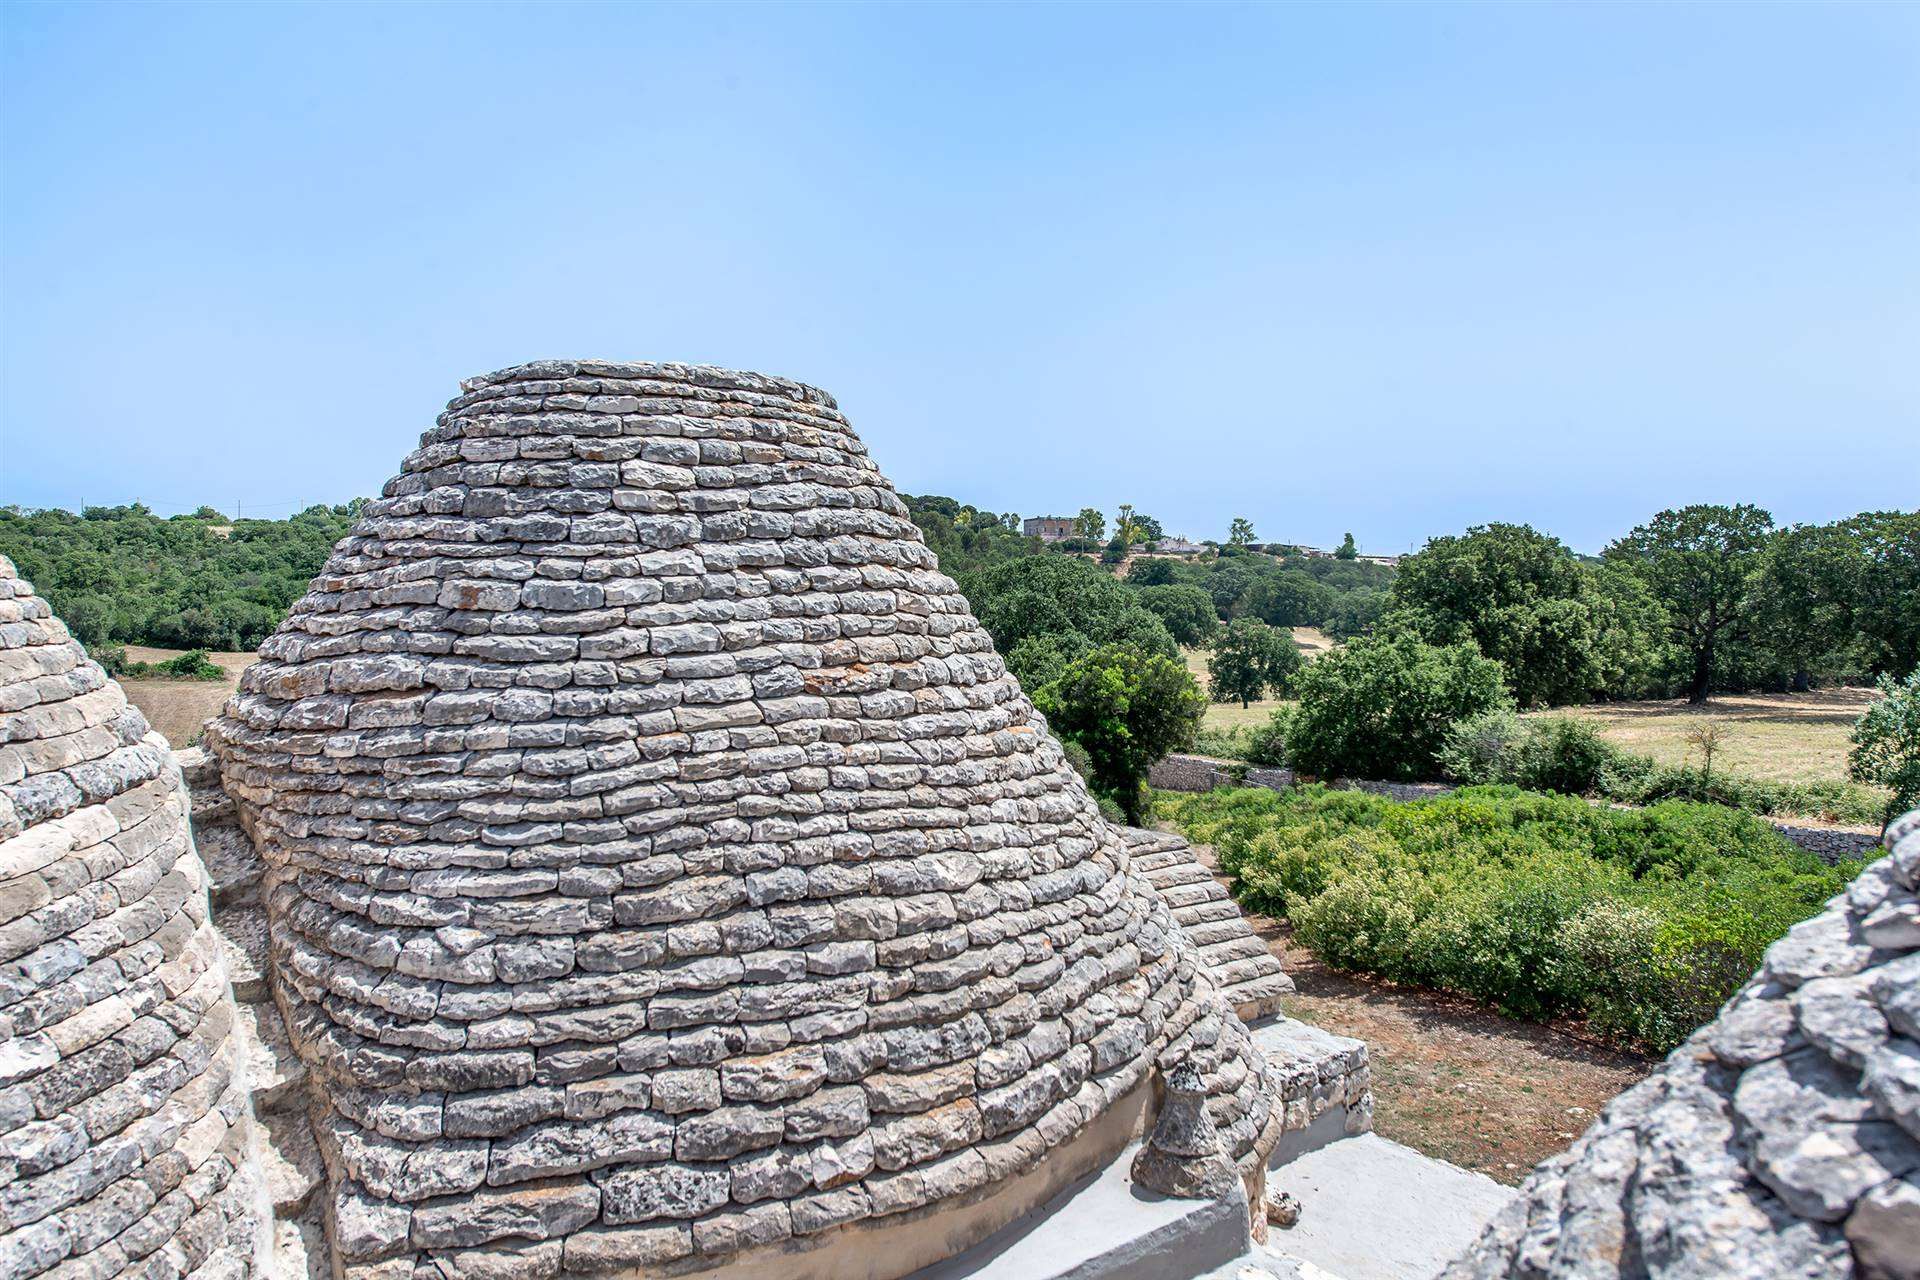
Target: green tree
[[1053, 595], [1886, 744], [1186, 611], [1126, 708], [1150, 572], [1090, 524], [1881, 585], [1699, 563], [1115, 551], [1521, 597], [1240, 532], [1381, 706], [1250, 659], [1125, 527], [1801, 588], [1346, 549], [1149, 528]]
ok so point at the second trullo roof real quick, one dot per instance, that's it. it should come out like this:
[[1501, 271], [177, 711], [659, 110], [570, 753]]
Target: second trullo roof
[[664, 866]]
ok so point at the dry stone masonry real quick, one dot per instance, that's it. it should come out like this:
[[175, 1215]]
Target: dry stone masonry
[[664, 870], [125, 1132], [1781, 1140]]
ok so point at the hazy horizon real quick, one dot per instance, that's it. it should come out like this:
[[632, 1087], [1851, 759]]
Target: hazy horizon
[[1391, 270]]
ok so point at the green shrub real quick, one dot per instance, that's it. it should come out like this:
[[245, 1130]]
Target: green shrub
[[1561, 753], [1222, 742], [1886, 744], [191, 665], [1642, 921], [1482, 748], [1381, 706], [1266, 744]]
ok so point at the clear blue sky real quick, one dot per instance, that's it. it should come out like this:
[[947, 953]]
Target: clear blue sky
[[1391, 269]]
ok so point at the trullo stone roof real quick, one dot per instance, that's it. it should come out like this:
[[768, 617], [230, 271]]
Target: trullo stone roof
[[124, 1121], [665, 871], [1780, 1142]]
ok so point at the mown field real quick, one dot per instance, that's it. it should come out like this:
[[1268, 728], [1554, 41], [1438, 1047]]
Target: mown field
[[178, 708], [1777, 737]]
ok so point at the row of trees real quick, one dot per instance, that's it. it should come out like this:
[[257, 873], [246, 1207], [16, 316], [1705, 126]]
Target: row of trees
[[1696, 600], [123, 575]]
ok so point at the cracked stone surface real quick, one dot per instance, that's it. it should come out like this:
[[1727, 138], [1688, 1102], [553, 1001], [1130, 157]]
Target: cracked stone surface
[[660, 862], [125, 1130], [1781, 1140]]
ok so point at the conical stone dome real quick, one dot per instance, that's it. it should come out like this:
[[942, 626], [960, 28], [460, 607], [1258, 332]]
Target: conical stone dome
[[665, 872], [125, 1130]]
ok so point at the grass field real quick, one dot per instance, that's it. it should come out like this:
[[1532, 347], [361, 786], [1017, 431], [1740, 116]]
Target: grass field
[[1230, 715], [1780, 737], [177, 708]]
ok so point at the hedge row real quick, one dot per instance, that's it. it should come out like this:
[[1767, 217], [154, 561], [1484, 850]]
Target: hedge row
[[1641, 921]]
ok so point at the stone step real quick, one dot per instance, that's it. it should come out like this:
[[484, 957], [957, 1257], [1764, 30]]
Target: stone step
[[1324, 1083], [1178, 871], [1371, 1209], [291, 1159], [234, 870], [1239, 945], [300, 1247], [1214, 911], [1258, 998], [1208, 932], [1105, 1228], [243, 938], [278, 1076]]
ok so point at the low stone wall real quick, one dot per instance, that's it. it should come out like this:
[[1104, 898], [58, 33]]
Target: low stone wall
[[1827, 843], [1204, 773]]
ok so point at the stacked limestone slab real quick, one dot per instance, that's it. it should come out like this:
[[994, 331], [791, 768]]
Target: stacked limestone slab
[[665, 873], [125, 1134], [1781, 1140], [1242, 964]]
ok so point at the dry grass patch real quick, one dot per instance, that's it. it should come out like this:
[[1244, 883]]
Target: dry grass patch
[[178, 708], [1777, 737]]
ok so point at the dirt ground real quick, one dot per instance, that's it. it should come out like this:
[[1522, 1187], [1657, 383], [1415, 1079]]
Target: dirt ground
[[1781, 737], [177, 708], [1452, 1079]]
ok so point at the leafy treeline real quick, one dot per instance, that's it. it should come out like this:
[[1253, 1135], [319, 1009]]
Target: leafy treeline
[[1694, 601], [123, 575]]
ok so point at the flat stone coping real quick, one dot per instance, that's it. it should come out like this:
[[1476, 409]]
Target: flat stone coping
[[1104, 1228], [1372, 1209]]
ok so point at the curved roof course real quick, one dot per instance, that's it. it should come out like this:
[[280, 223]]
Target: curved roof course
[[663, 866], [1781, 1140], [125, 1128]]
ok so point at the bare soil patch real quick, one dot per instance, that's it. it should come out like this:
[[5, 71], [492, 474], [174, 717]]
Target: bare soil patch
[[1780, 737], [178, 708], [1451, 1078]]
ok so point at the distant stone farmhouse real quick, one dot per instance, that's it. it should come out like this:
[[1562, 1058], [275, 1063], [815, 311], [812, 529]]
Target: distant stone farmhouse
[[1049, 528]]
